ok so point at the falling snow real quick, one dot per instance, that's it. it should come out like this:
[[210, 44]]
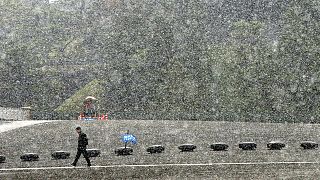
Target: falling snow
[[196, 74]]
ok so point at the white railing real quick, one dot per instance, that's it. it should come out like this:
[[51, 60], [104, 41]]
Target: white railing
[[15, 113]]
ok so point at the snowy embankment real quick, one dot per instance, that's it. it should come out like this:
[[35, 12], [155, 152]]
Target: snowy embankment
[[7, 126]]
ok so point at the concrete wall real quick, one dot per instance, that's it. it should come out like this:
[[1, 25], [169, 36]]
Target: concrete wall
[[15, 113]]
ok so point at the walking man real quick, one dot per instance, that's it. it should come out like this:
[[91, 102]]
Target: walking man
[[82, 147]]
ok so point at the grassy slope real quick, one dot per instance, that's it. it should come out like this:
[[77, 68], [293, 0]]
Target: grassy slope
[[93, 88], [49, 137]]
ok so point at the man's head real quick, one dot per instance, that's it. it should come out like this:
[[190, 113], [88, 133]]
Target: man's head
[[78, 129]]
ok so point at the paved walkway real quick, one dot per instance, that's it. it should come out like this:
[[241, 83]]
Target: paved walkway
[[18, 124], [163, 165]]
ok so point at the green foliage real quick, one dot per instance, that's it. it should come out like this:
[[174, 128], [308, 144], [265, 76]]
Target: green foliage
[[73, 105], [299, 54], [161, 59], [244, 71]]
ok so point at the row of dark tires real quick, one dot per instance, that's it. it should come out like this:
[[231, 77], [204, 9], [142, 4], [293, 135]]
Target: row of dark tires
[[273, 145], [55, 155]]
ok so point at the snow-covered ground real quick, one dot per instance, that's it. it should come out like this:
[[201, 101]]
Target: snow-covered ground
[[17, 124]]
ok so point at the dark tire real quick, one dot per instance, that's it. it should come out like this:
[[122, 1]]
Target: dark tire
[[93, 152], [309, 145], [2, 159], [60, 155], [187, 147], [219, 147], [155, 149], [247, 146], [275, 145], [29, 157], [122, 151]]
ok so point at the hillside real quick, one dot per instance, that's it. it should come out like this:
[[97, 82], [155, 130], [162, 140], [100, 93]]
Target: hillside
[[205, 60]]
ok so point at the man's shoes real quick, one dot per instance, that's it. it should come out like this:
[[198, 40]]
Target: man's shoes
[[89, 165], [73, 164]]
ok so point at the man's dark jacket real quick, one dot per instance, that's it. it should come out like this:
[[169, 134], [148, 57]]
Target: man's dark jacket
[[82, 140]]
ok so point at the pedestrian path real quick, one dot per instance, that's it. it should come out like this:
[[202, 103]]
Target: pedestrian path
[[18, 124], [165, 165]]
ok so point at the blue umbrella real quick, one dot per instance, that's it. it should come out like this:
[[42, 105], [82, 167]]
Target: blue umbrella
[[129, 138]]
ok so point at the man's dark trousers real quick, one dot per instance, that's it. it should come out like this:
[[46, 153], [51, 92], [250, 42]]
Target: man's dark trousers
[[82, 150]]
